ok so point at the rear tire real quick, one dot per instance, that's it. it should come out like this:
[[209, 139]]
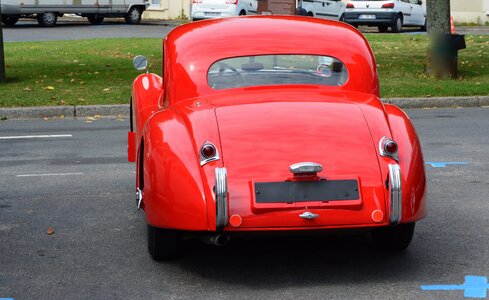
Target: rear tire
[[397, 25], [424, 28], [242, 13], [95, 20], [133, 16], [163, 244], [342, 18], [9, 20], [393, 238], [47, 19]]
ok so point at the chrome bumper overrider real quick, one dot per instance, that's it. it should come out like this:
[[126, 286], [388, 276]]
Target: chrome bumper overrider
[[221, 197], [395, 188]]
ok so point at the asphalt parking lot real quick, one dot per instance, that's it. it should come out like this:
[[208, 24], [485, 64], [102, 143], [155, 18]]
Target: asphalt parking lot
[[74, 28], [75, 180]]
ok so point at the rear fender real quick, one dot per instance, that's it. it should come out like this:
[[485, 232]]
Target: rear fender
[[147, 89], [411, 163], [174, 193]]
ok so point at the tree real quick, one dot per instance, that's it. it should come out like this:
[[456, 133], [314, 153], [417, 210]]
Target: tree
[[2, 55], [443, 49]]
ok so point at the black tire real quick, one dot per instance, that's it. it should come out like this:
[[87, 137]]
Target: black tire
[[163, 244], [342, 18], [9, 20], [133, 16], [424, 28], [95, 20], [393, 238], [242, 13], [383, 28], [310, 14], [397, 25], [47, 19]]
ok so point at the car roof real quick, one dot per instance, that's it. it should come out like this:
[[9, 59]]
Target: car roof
[[190, 49]]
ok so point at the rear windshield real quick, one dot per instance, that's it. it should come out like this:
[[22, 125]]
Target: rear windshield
[[275, 70]]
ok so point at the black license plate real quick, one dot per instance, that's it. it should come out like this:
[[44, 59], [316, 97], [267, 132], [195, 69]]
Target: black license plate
[[303, 191]]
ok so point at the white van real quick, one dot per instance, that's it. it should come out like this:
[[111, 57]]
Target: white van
[[48, 11]]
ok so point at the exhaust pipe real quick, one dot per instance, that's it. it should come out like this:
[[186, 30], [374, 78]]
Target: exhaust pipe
[[217, 240]]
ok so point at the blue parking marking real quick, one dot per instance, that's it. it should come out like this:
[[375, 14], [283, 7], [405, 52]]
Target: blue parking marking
[[443, 164], [473, 287], [6, 298]]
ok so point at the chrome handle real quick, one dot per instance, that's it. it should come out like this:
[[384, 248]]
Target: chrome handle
[[308, 215]]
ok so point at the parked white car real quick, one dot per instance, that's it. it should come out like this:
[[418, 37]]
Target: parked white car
[[208, 9], [326, 9], [384, 14], [48, 11]]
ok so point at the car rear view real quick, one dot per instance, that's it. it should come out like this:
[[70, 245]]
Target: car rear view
[[208, 9], [383, 14]]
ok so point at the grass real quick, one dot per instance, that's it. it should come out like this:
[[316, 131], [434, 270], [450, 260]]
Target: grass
[[100, 71]]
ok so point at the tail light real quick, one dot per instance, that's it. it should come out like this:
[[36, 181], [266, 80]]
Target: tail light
[[208, 153], [231, 1], [196, 1], [388, 5], [349, 5], [389, 148]]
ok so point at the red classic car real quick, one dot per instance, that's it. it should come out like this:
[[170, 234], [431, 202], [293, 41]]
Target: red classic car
[[266, 125]]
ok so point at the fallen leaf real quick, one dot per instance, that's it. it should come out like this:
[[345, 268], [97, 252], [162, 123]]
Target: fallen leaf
[[50, 230], [106, 90], [50, 88], [45, 118], [27, 89]]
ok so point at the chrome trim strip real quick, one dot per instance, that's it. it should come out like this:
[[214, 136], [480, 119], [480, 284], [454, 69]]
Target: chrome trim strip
[[395, 188], [382, 141], [203, 159], [305, 168], [139, 198], [221, 197]]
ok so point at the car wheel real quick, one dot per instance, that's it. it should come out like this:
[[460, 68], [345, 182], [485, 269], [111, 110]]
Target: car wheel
[[162, 243], [47, 19], [393, 238], [397, 26], [310, 14], [383, 28], [424, 27], [9, 21], [133, 16], [342, 18], [95, 20], [242, 13]]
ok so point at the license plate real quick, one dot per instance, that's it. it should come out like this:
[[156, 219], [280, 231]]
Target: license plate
[[367, 17], [305, 191], [212, 14]]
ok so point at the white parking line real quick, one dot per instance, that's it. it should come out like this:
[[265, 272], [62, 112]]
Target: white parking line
[[48, 174], [34, 136]]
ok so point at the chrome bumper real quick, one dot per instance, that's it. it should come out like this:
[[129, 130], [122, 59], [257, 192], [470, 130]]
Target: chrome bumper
[[221, 198], [395, 188]]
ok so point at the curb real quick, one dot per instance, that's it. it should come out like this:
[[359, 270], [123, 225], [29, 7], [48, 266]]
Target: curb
[[122, 110]]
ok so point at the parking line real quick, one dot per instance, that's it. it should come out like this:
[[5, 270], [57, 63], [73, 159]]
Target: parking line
[[48, 174], [41, 136]]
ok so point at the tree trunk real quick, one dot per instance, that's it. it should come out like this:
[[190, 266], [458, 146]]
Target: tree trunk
[[2, 55], [442, 51]]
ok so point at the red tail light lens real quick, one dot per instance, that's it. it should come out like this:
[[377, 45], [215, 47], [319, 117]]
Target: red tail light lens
[[196, 1], [231, 1], [388, 5], [349, 5], [390, 147], [208, 151]]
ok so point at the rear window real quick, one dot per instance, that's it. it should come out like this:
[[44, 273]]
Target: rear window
[[262, 70]]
